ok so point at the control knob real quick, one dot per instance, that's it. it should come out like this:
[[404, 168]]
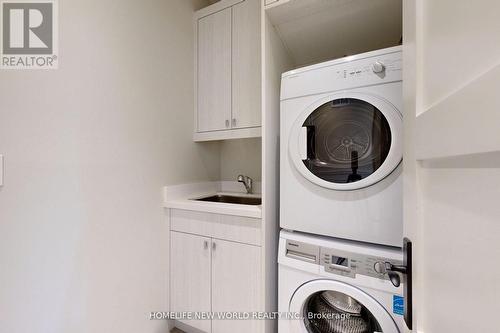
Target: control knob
[[379, 267], [378, 67], [391, 270]]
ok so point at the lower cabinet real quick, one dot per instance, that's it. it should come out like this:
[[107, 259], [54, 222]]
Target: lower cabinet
[[236, 287], [190, 259], [218, 276]]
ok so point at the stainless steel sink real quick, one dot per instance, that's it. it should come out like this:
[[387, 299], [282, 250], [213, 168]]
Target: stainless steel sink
[[232, 199]]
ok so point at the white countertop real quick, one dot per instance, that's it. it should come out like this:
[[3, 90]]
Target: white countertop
[[181, 197]]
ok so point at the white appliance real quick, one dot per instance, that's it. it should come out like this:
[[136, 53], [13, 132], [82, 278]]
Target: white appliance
[[331, 285], [341, 148]]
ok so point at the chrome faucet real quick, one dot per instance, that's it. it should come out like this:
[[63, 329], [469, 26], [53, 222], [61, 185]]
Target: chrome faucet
[[247, 181]]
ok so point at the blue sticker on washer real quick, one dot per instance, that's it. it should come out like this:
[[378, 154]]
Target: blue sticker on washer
[[398, 305]]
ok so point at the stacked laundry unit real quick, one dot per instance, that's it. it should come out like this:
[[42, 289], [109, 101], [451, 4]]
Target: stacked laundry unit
[[340, 258]]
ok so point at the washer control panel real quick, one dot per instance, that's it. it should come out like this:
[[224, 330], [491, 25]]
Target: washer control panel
[[339, 262], [349, 264]]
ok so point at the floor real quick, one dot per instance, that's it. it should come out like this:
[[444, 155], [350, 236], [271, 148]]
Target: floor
[[176, 330]]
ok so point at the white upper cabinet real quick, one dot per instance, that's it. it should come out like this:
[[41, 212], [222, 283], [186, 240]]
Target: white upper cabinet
[[214, 71], [246, 65], [228, 74]]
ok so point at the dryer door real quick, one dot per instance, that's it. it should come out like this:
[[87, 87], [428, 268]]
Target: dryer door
[[328, 306], [347, 141]]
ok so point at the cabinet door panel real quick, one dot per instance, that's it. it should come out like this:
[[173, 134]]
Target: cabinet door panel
[[214, 71], [190, 276], [246, 83], [236, 285]]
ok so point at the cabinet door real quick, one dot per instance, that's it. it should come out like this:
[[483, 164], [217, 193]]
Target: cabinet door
[[236, 285], [190, 276], [214, 71], [246, 105]]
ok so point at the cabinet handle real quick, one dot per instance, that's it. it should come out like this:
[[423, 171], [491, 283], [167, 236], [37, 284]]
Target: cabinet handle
[[227, 122], [214, 246], [234, 121], [205, 245]]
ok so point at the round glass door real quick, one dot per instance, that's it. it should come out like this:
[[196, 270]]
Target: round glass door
[[347, 142], [329, 306], [334, 312]]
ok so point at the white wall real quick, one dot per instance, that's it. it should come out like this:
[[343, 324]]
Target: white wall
[[460, 34], [87, 149], [451, 204], [243, 156]]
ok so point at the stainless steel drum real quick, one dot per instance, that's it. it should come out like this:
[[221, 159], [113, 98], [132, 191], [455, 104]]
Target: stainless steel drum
[[335, 312], [342, 302]]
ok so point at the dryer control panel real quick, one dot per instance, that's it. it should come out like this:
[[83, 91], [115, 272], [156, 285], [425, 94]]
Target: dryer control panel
[[380, 68], [353, 72]]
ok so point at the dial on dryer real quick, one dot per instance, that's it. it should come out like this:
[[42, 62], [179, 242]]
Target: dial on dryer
[[378, 67]]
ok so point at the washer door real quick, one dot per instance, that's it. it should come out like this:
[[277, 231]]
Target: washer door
[[347, 141], [329, 306]]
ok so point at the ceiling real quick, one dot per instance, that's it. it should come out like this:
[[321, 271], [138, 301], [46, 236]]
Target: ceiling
[[317, 30]]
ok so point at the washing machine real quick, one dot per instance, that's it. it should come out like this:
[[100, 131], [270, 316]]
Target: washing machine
[[338, 286], [341, 148]]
